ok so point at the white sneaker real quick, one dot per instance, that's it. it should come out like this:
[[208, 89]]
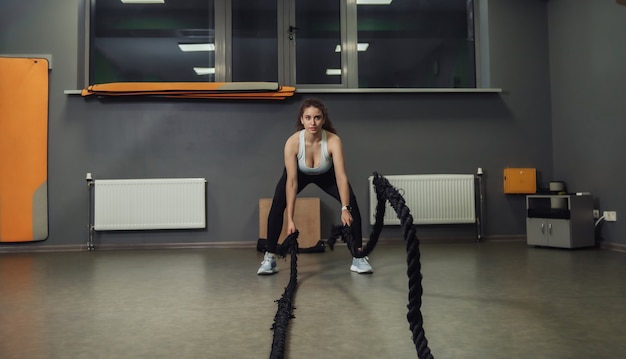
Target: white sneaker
[[268, 266], [361, 265]]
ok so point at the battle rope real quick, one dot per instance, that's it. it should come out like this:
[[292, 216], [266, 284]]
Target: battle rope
[[345, 233], [384, 192], [414, 316], [285, 304]]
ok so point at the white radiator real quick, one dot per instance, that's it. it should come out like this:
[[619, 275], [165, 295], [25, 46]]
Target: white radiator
[[138, 204], [432, 198]]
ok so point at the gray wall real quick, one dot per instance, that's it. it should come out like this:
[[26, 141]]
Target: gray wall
[[588, 76], [237, 146]]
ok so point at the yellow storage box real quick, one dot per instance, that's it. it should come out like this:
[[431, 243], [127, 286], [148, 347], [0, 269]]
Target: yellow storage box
[[520, 180]]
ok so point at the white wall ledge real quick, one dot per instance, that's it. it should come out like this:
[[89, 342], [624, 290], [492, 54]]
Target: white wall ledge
[[401, 90], [375, 90]]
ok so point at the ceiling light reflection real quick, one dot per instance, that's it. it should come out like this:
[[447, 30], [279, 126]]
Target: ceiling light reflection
[[373, 2], [361, 46], [196, 47], [143, 1], [204, 70]]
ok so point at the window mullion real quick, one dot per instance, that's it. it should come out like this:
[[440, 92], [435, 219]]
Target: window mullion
[[223, 41], [286, 45], [481, 36], [349, 38]]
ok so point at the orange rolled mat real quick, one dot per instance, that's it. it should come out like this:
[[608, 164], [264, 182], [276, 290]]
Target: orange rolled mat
[[207, 90], [23, 149]]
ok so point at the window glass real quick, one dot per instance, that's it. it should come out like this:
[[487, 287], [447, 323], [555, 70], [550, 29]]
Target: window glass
[[416, 44], [317, 36], [151, 42], [390, 44], [254, 40]]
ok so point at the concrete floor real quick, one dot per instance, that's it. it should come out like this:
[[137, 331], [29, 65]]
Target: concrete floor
[[488, 300]]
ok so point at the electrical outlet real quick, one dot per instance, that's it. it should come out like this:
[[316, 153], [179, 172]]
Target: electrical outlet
[[596, 213], [610, 216]]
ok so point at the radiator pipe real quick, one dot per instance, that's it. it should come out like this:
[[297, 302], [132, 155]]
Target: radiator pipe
[[90, 227], [481, 203]]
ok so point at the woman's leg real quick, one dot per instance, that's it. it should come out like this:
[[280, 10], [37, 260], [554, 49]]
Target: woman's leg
[[277, 210], [328, 183], [275, 217]]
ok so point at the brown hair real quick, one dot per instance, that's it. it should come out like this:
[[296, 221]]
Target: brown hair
[[318, 104]]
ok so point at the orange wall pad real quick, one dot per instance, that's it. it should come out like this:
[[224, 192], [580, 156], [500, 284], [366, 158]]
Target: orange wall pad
[[23, 149]]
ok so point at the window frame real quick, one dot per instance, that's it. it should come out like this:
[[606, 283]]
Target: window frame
[[287, 51]]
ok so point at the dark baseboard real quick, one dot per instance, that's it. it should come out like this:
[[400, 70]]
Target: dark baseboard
[[24, 248], [614, 247], [145, 246]]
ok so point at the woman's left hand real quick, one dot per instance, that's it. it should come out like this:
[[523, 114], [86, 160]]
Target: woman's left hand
[[346, 218]]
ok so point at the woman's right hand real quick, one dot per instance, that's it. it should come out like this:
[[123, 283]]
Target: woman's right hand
[[291, 227]]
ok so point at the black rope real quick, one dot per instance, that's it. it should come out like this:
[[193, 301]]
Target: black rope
[[285, 304], [345, 232], [384, 192], [414, 315]]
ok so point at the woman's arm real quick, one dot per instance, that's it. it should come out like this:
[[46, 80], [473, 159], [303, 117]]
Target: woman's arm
[[291, 187], [335, 148]]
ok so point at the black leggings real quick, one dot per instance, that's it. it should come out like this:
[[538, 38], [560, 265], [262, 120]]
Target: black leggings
[[326, 182]]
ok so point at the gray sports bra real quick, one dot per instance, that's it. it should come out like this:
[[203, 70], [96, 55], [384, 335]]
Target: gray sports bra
[[325, 163]]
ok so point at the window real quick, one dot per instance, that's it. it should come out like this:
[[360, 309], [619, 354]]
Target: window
[[152, 42], [315, 44], [318, 42], [416, 44], [254, 40]]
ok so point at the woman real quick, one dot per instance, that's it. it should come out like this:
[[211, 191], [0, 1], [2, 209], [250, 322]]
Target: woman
[[314, 154]]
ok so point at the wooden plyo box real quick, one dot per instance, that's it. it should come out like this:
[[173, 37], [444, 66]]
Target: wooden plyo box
[[306, 216]]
